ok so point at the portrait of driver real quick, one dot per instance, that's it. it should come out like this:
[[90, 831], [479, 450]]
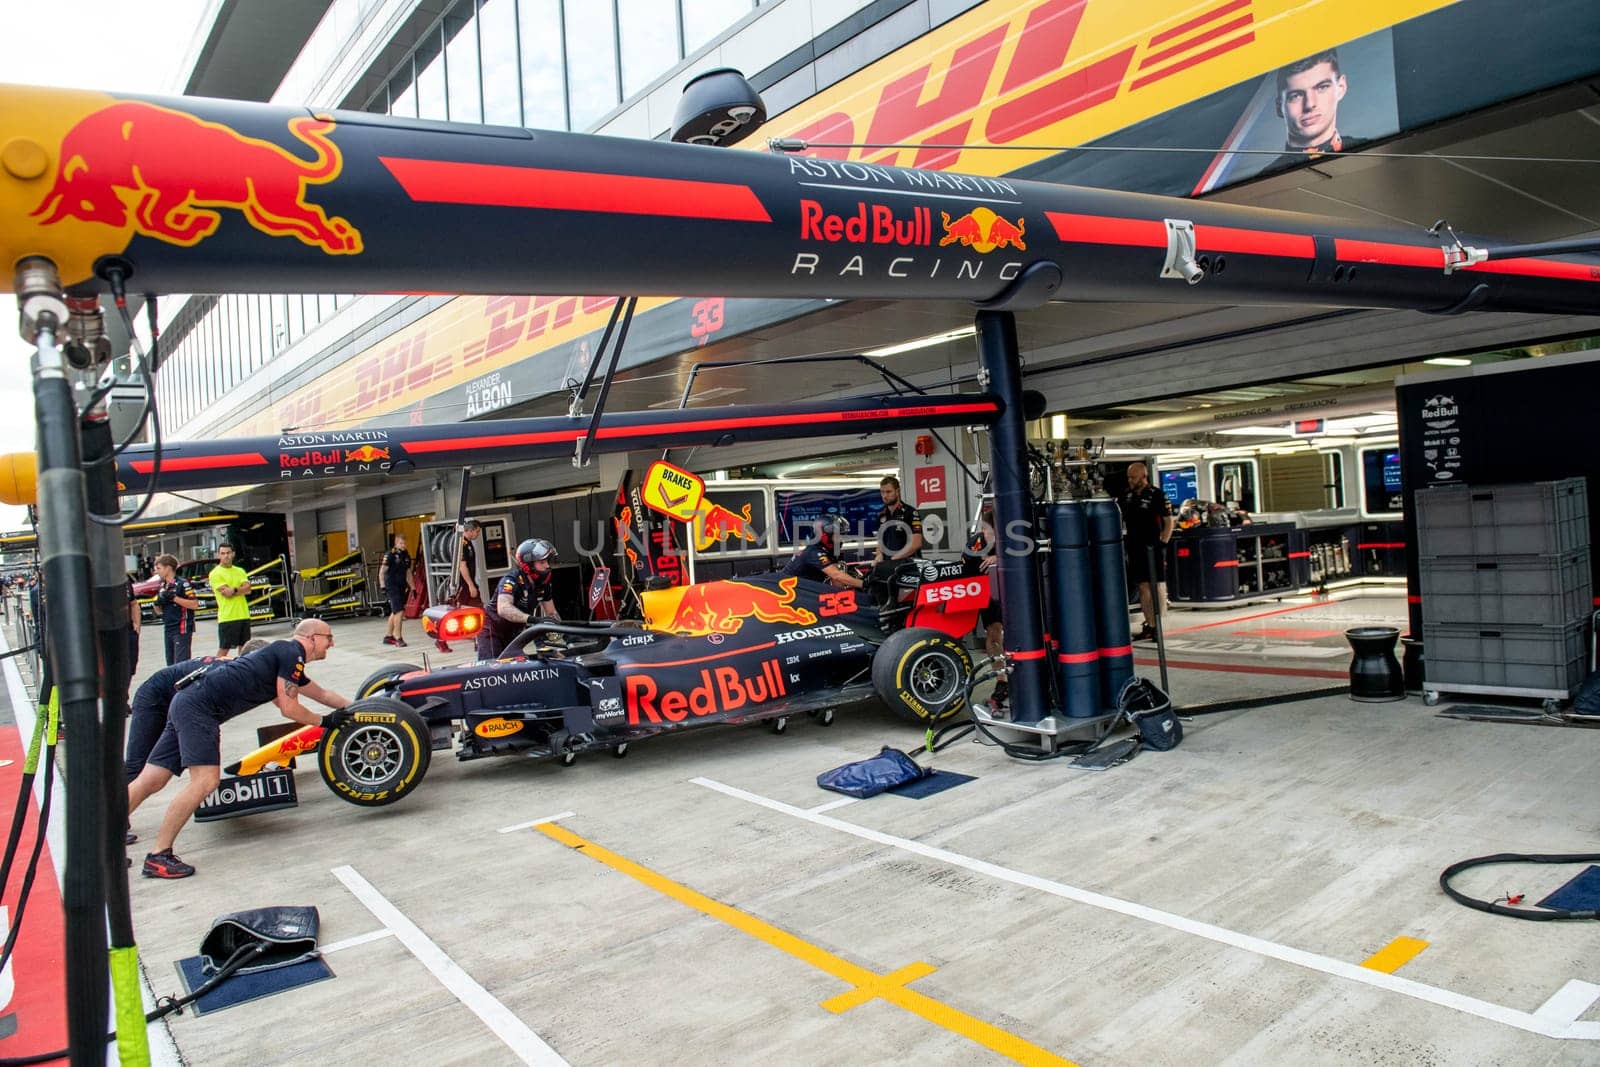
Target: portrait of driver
[[1309, 92]]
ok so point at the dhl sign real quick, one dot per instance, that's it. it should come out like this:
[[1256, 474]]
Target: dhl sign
[[468, 337], [1049, 73]]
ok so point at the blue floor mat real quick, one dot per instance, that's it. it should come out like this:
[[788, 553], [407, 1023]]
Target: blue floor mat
[[937, 782], [239, 988], [1580, 894]]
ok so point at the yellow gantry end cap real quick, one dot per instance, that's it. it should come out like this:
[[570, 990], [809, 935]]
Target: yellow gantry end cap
[[19, 478]]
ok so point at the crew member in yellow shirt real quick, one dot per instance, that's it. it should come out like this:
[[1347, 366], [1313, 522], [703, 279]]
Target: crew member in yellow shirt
[[232, 589]]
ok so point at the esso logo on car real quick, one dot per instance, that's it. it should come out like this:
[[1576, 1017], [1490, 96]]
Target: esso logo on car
[[967, 593]]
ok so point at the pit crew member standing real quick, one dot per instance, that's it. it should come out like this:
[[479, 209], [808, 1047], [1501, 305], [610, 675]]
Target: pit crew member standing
[[394, 574], [818, 559], [231, 586], [1147, 514], [899, 526], [526, 591], [176, 602], [192, 739]]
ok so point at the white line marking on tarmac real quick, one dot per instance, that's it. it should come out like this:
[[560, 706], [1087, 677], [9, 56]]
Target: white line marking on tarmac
[[1545, 1025], [1570, 1001], [526, 1045], [557, 817], [359, 939], [830, 805]]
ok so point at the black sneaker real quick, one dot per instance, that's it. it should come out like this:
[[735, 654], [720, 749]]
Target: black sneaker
[[1148, 633], [164, 864], [129, 837], [389, 640]]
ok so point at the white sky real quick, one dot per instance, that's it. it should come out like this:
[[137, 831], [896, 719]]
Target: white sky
[[84, 44]]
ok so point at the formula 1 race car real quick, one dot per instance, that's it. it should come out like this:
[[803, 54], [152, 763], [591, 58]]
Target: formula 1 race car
[[761, 648]]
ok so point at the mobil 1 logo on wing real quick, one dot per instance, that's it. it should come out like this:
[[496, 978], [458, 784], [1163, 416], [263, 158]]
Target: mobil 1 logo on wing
[[249, 795]]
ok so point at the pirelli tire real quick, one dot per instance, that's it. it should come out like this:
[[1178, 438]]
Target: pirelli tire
[[379, 682], [380, 756], [921, 674]]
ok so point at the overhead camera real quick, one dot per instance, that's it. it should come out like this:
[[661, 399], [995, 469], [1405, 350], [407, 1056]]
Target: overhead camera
[[717, 107]]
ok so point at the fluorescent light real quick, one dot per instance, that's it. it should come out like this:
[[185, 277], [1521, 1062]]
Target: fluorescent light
[[1254, 431], [922, 342], [1449, 361], [1058, 427]]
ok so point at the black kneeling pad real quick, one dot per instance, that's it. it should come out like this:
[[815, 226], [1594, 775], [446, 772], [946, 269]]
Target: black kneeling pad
[[285, 935]]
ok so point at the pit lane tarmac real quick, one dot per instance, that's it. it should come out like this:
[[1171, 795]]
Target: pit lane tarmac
[[1266, 893]]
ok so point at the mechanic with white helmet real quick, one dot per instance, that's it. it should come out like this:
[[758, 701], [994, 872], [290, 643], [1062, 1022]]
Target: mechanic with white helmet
[[526, 592]]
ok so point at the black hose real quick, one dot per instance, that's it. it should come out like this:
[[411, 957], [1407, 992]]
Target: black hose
[[28, 873], [1548, 915], [1261, 702], [166, 1006]]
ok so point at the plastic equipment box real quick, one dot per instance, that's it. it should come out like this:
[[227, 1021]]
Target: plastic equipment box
[[1540, 518], [1534, 661], [1515, 591]]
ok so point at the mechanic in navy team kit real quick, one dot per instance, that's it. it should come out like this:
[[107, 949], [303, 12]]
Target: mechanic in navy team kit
[[192, 739], [175, 600], [527, 591], [899, 525], [394, 574], [818, 559]]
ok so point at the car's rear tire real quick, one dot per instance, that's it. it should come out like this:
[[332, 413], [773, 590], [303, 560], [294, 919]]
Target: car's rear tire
[[921, 674], [378, 757], [379, 682]]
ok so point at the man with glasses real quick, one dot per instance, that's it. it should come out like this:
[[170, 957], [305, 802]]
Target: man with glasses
[[192, 739]]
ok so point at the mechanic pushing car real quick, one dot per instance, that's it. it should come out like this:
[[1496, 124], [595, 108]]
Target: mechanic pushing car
[[192, 739], [524, 592], [818, 559]]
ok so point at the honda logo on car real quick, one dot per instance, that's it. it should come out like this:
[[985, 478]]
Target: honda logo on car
[[720, 689], [832, 629], [967, 593]]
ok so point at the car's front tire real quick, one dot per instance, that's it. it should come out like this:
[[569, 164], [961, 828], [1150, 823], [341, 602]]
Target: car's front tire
[[379, 756]]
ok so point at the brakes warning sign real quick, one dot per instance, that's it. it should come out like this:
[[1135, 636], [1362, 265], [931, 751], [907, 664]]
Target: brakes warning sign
[[673, 491]]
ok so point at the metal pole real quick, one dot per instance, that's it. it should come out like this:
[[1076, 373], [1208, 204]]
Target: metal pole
[[1020, 608], [1155, 615], [64, 556]]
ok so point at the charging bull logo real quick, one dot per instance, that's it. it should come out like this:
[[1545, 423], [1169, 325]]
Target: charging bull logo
[[279, 752], [171, 169], [722, 607], [365, 454], [982, 231], [717, 523]]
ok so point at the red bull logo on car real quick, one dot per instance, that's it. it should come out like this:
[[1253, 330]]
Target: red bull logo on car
[[365, 454], [716, 524], [722, 607], [720, 689], [983, 231], [165, 174]]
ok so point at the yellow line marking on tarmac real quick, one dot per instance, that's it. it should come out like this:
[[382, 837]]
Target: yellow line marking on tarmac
[[867, 984], [1395, 955]]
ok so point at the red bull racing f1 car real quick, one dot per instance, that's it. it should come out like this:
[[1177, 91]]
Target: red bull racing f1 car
[[761, 648]]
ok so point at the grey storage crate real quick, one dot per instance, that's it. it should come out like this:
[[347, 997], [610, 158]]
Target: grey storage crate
[[1519, 660], [1512, 590], [1540, 518]]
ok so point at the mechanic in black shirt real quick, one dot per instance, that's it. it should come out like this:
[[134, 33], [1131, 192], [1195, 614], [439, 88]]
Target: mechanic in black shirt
[[175, 600], [817, 559], [394, 574], [192, 739], [525, 592], [1147, 516], [147, 718], [467, 564], [899, 526]]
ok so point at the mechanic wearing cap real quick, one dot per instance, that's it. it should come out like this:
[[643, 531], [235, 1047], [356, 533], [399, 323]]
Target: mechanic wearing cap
[[818, 559], [192, 739], [526, 591]]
